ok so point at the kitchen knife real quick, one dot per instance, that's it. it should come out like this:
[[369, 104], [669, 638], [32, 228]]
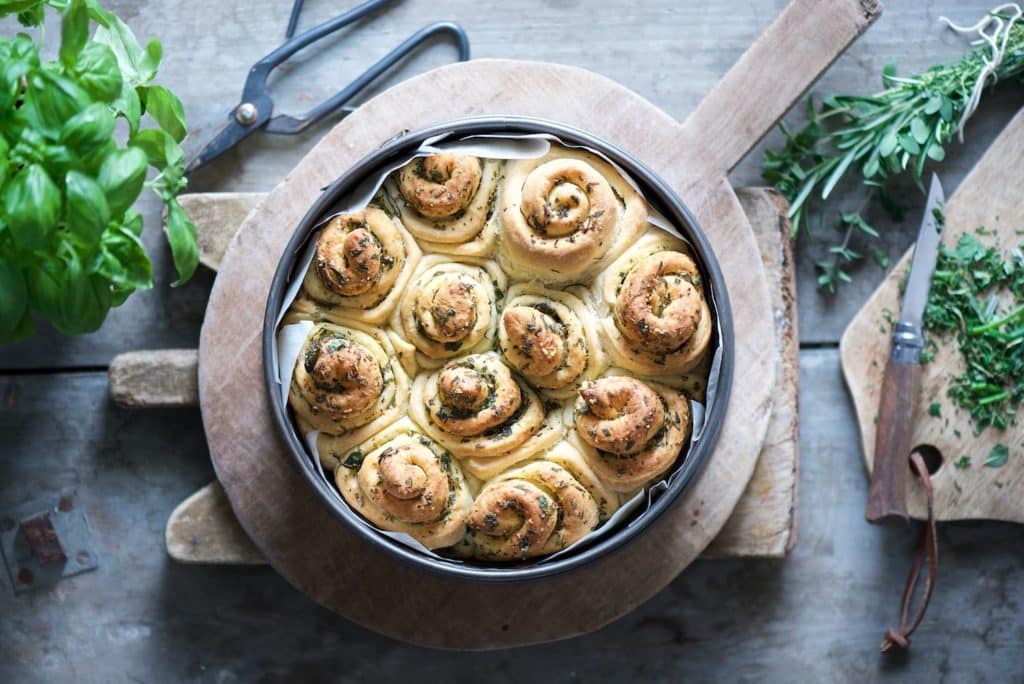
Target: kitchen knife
[[901, 384]]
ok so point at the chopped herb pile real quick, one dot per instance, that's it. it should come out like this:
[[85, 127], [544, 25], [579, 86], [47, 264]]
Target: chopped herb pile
[[978, 298]]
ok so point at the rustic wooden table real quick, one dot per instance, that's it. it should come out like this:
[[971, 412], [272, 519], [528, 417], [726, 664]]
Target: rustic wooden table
[[817, 615]]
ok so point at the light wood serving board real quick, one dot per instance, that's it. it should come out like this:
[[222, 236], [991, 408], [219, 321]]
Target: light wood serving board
[[203, 528], [301, 538], [989, 196]]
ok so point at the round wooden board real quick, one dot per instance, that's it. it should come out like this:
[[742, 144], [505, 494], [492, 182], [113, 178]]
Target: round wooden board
[[297, 533]]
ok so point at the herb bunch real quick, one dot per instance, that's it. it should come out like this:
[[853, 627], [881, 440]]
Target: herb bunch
[[873, 138], [70, 245], [978, 297]]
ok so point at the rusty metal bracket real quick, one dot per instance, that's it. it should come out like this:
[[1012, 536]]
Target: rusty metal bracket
[[43, 542]]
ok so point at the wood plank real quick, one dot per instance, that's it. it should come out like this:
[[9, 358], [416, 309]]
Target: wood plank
[[143, 618], [764, 522], [157, 378], [989, 197]]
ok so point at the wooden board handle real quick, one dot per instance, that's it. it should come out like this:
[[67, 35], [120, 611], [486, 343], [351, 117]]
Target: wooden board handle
[[901, 386], [770, 76]]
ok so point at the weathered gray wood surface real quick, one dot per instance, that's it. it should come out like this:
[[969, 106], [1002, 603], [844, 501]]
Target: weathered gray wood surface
[[815, 616]]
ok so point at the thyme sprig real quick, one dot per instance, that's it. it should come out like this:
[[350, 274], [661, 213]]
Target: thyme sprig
[[874, 138]]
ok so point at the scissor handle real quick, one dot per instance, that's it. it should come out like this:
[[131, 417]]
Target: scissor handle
[[256, 82], [296, 124]]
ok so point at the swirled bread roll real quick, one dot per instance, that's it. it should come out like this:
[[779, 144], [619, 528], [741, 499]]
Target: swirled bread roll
[[565, 215], [538, 508], [660, 322], [449, 309], [484, 415], [359, 269], [550, 337], [348, 385], [630, 431], [447, 202], [402, 481]]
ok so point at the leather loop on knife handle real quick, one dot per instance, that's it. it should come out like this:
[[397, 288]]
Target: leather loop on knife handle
[[901, 385], [927, 551]]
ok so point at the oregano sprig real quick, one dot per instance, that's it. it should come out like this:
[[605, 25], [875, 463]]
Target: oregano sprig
[[895, 131]]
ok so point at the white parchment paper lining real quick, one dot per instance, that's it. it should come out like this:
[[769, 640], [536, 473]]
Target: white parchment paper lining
[[492, 146]]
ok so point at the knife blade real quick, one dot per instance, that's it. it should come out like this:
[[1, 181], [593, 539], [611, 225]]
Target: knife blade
[[901, 382]]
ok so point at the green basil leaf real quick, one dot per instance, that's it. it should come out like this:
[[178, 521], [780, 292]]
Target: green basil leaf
[[50, 100], [85, 303], [126, 263], [127, 105], [97, 72], [121, 176], [4, 160], [88, 211], [47, 280], [88, 130], [166, 109], [33, 16], [136, 66], [156, 143], [151, 59], [32, 203], [74, 31], [13, 300], [181, 235]]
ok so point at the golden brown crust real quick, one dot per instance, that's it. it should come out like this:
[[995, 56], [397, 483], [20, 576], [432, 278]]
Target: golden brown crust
[[347, 385], [565, 215], [360, 265], [538, 508], [631, 432], [660, 322], [403, 482], [448, 203]]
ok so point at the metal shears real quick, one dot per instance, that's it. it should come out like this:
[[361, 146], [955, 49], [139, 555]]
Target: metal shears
[[255, 109]]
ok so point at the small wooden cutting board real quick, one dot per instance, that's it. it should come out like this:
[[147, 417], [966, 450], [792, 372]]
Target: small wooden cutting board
[[990, 196]]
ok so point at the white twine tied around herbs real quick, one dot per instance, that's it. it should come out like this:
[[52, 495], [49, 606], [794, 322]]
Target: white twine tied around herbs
[[993, 30]]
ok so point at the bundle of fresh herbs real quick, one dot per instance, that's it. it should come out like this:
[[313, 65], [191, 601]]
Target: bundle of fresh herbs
[[978, 298], [70, 243], [892, 132]]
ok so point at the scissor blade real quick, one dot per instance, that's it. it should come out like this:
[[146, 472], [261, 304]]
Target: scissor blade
[[205, 148], [926, 253]]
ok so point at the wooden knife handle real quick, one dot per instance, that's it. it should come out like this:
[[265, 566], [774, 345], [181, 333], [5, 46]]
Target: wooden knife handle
[[901, 388]]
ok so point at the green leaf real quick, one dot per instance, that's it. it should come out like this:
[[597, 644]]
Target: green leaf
[[181, 235], [88, 130], [127, 104], [166, 109], [85, 303], [121, 176], [31, 204], [136, 66], [74, 31], [909, 144], [4, 161], [50, 100], [47, 281], [125, 262], [998, 457], [88, 211], [97, 72], [936, 152], [151, 59], [933, 104], [160, 148], [13, 300], [935, 409], [946, 110], [919, 129]]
